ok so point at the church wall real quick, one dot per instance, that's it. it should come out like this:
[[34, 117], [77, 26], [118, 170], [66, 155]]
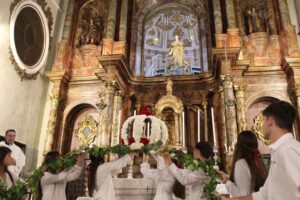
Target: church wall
[[23, 102]]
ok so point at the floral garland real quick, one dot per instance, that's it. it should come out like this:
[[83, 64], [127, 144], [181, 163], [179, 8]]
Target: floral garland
[[31, 184]]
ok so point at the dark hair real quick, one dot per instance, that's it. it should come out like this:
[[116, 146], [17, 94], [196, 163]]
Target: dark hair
[[9, 130], [50, 157], [283, 113], [93, 166], [247, 148], [3, 152], [205, 149]]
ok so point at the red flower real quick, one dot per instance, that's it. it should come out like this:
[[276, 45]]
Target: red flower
[[144, 141], [131, 140], [122, 141], [145, 111]]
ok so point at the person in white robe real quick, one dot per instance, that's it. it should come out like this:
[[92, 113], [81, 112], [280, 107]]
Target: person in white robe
[[248, 170], [162, 175], [53, 185], [17, 153], [194, 179], [103, 188]]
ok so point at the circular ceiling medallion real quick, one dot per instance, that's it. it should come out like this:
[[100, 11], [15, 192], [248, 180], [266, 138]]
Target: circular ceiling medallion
[[29, 38]]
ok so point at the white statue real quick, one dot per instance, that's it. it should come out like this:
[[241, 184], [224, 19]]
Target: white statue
[[176, 52]]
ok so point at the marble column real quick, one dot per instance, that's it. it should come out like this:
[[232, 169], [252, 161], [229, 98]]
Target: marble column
[[272, 18], [63, 48], [51, 123], [230, 11], [284, 13], [123, 20], [230, 110], [111, 21], [68, 21], [116, 127], [223, 118], [240, 106], [204, 105], [217, 16], [105, 123]]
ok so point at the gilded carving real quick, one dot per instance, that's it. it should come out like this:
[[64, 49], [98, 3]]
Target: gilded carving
[[257, 127], [87, 131]]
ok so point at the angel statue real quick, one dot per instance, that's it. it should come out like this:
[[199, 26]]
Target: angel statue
[[176, 52]]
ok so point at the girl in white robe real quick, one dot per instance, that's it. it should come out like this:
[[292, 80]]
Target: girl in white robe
[[104, 189], [162, 175], [195, 179], [53, 185]]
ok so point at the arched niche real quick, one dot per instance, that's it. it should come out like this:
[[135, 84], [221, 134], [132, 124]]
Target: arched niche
[[76, 115], [169, 108], [197, 8]]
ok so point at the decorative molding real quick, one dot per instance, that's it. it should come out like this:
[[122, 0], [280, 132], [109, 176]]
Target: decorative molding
[[29, 71]]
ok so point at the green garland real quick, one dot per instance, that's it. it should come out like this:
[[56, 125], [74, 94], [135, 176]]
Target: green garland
[[69, 160]]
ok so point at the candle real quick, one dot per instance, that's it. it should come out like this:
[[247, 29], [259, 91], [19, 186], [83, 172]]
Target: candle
[[226, 54], [134, 113], [119, 127], [213, 126], [148, 130], [183, 130], [198, 133]]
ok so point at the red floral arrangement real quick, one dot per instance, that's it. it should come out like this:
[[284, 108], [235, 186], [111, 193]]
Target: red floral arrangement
[[145, 110], [122, 141], [131, 140], [145, 141]]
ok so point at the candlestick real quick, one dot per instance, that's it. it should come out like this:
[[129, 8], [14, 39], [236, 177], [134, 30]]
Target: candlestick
[[148, 130], [213, 126], [183, 130], [226, 54], [119, 127], [198, 112]]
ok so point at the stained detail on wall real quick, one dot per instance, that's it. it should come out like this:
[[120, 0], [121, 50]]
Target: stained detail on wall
[[162, 27], [30, 26]]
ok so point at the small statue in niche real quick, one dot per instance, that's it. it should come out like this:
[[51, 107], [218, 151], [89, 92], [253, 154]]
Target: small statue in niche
[[255, 20], [91, 24]]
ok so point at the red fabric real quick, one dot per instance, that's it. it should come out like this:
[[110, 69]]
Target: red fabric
[[131, 140], [255, 155], [122, 141], [144, 141], [145, 111]]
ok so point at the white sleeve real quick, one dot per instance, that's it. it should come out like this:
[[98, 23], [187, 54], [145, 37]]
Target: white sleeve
[[148, 172], [20, 163], [262, 194], [115, 165], [50, 178], [74, 173], [186, 177], [242, 178]]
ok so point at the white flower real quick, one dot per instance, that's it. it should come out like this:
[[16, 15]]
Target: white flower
[[152, 152], [136, 146]]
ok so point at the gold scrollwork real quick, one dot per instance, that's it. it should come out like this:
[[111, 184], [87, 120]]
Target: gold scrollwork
[[257, 127], [87, 131]]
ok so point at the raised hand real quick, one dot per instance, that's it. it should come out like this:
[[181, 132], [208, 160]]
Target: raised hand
[[80, 160], [167, 158]]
